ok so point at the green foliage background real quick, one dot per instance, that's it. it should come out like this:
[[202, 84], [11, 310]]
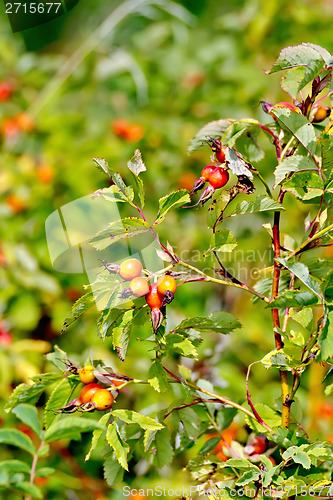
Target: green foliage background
[[169, 75]]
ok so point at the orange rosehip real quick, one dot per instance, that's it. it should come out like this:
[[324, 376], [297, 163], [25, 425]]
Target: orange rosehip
[[130, 269], [103, 400], [139, 286]]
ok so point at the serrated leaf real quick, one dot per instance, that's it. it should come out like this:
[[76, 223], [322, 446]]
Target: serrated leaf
[[326, 339], [292, 298], [190, 421], [298, 456], [13, 437], [222, 241], [248, 477], [119, 446], [97, 434], [291, 164], [82, 305], [163, 451], [58, 357], [132, 417], [135, 164], [311, 56], [69, 426], [182, 346], [260, 204], [237, 164], [213, 129], [291, 82], [157, 377], [25, 393], [127, 191], [139, 189], [298, 125], [113, 471], [122, 331], [326, 142], [103, 166], [172, 201], [29, 416], [112, 193], [218, 321], [60, 397], [303, 274], [119, 230], [270, 416], [305, 185]]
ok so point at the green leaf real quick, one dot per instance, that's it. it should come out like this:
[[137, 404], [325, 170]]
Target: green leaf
[[172, 201], [291, 164], [209, 445], [311, 56], [304, 317], [138, 184], [28, 415], [270, 416], [303, 274], [112, 193], [222, 241], [260, 204], [299, 126], [127, 191], [182, 346], [122, 331], [113, 471], [119, 230], [14, 466], [218, 321], [132, 417], [102, 166], [135, 164], [17, 438], [297, 455], [162, 450], [292, 298], [97, 434], [237, 164], [28, 489], [119, 446], [291, 82], [326, 339], [190, 421], [69, 426], [326, 142], [284, 359], [60, 397], [157, 377], [45, 471], [25, 393], [213, 129], [305, 185], [79, 307], [247, 477], [58, 357], [110, 314]]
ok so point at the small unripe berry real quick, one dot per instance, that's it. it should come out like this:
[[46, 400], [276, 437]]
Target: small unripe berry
[[86, 374], [103, 400], [320, 113]]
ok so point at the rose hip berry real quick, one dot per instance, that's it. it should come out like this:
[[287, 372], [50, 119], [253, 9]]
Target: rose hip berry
[[88, 391], [218, 178], [139, 287], [154, 300], [130, 269], [102, 399], [86, 374]]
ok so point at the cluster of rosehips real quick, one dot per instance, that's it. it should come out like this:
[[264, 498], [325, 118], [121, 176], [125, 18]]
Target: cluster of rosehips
[[157, 294], [216, 175]]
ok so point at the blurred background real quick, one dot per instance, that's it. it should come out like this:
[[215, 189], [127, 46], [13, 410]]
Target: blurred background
[[101, 81]]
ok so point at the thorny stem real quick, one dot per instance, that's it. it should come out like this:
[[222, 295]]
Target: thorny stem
[[275, 314], [222, 399]]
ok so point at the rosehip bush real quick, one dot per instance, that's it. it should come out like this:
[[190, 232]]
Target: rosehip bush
[[243, 445]]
